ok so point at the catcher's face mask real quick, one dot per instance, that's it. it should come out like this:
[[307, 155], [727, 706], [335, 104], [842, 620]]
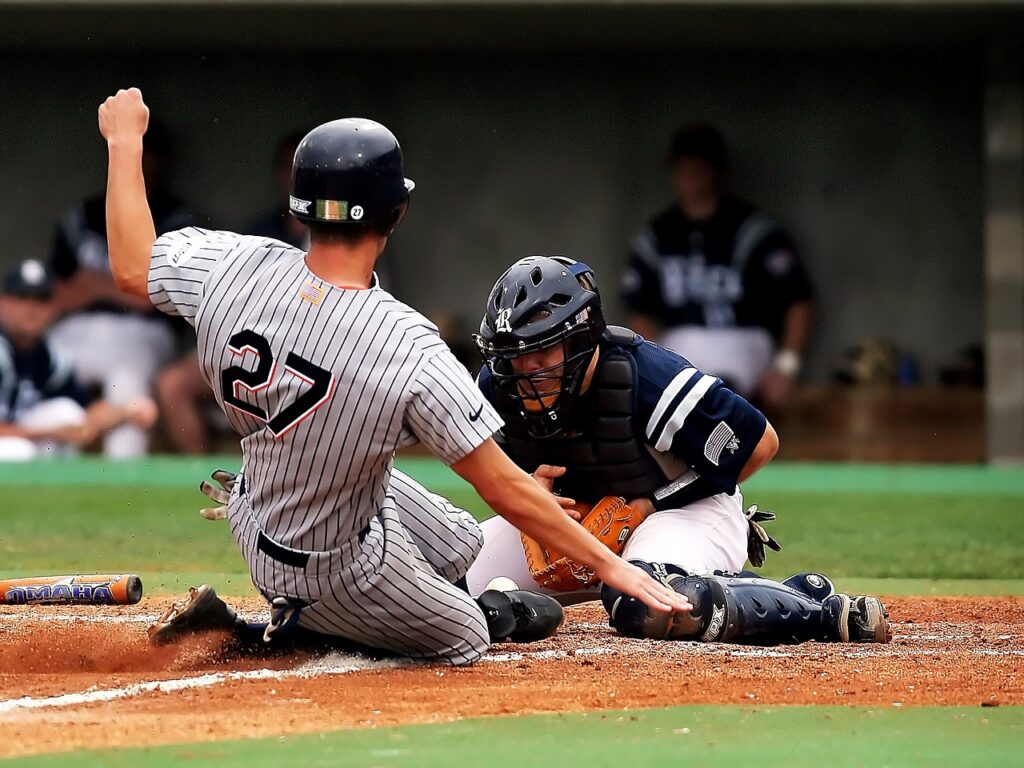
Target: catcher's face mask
[[541, 326], [546, 376]]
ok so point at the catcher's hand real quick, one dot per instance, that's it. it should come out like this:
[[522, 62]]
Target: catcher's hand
[[220, 495], [757, 537], [611, 520]]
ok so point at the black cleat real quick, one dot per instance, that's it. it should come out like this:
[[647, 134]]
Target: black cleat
[[856, 619], [519, 616], [202, 612]]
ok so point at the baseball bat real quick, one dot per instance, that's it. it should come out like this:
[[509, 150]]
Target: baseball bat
[[89, 589]]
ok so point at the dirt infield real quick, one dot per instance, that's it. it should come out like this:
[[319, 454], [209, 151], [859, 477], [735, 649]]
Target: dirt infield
[[75, 677]]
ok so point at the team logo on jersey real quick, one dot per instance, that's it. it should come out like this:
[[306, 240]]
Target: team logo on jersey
[[503, 325], [183, 253], [312, 293], [298, 205], [356, 213]]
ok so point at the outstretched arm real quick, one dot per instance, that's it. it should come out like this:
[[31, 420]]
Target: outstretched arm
[[518, 498], [123, 119]]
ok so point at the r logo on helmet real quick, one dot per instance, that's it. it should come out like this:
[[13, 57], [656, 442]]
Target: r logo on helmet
[[502, 325]]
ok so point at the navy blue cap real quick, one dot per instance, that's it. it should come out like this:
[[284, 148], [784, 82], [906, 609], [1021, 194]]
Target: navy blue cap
[[31, 279]]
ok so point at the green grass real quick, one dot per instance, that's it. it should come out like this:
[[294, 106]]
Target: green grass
[[682, 736], [958, 530]]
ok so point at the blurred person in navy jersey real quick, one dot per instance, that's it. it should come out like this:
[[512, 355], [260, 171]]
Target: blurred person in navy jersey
[[113, 341], [718, 281], [44, 411]]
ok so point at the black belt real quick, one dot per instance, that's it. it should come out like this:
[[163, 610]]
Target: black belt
[[281, 554], [291, 557]]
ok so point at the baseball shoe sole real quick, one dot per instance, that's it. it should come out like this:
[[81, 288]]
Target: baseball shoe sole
[[202, 611]]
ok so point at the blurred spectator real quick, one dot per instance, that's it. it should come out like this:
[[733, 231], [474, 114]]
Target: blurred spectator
[[114, 341], [43, 408], [181, 389], [716, 280], [182, 393]]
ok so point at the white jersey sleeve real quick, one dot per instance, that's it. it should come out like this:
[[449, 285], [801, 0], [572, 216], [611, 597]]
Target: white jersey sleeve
[[446, 410], [181, 264]]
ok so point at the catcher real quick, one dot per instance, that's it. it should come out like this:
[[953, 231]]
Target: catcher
[[647, 453]]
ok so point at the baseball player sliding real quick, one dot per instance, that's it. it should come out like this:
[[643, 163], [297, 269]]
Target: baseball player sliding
[[324, 375]]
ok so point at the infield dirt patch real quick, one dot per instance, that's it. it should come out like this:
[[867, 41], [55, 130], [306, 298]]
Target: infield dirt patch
[[75, 677]]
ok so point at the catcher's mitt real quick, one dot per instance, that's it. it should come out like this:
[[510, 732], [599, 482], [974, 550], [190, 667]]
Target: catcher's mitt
[[611, 520]]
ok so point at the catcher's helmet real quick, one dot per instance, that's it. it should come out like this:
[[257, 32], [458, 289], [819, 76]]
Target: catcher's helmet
[[349, 172], [541, 301]]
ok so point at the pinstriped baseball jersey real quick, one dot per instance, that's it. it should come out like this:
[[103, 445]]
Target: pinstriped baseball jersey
[[322, 383]]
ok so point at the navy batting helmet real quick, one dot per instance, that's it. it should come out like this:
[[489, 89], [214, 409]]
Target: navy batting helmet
[[539, 302], [349, 171]]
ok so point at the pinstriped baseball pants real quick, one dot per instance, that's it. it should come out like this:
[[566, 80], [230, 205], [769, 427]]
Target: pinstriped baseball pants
[[389, 589]]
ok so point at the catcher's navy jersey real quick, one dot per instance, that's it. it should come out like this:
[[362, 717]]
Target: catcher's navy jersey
[[323, 383], [682, 413], [30, 376]]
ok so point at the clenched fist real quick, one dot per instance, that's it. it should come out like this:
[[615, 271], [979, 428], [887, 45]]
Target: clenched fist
[[124, 116]]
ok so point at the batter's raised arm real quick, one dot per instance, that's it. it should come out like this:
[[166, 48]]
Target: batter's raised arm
[[518, 498], [123, 119]]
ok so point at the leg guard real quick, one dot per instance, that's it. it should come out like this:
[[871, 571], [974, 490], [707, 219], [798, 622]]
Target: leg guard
[[816, 586], [725, 609]]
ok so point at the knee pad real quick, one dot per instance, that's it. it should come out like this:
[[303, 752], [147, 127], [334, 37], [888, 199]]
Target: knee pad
[[816, 586], [705, 622]]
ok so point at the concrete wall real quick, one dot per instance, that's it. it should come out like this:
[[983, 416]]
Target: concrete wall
[[871, 156]]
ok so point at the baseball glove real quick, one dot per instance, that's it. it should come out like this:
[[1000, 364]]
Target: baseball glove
[[757, 537], [226, 481], [611, 520]]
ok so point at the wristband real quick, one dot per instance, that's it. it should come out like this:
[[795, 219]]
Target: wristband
[[787, 362]]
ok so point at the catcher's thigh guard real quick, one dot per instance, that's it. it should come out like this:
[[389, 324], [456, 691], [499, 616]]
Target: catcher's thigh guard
[[725, 609]]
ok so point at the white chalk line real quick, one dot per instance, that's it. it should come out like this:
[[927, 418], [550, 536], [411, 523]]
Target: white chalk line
[[340, 664], [336, 664]]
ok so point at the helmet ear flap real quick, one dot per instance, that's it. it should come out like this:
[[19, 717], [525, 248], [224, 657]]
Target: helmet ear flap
[[390, 224]]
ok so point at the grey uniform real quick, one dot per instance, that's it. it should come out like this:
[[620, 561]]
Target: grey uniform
[[324, 384]]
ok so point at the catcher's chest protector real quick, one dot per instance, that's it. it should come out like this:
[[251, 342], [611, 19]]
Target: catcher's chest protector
[[608, 456]]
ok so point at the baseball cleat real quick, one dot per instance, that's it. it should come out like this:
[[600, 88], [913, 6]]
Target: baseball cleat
[[519, 616], [856, 619], [203, 611]]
